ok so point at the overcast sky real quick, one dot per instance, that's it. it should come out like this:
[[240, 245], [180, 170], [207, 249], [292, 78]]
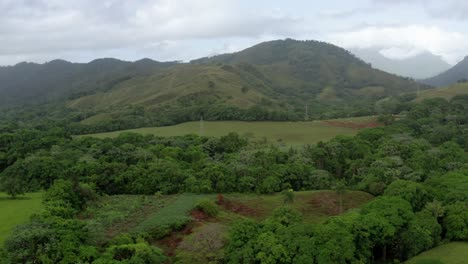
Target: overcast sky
[[80, 31]]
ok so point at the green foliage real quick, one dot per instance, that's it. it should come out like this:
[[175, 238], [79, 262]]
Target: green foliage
[[288, 196], [134, 253], [415, 193], [208, 207], [455, 222], [172, 217]]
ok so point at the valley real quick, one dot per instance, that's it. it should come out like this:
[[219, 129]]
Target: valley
[[211, 161]]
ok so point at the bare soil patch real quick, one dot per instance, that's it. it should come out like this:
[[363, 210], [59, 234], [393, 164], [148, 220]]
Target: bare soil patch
[[353, 125]]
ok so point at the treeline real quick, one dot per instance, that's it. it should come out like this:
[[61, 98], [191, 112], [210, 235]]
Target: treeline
[[418, 165], [48, 116]]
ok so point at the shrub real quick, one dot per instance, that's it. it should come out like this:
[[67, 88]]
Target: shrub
[[208, 207]]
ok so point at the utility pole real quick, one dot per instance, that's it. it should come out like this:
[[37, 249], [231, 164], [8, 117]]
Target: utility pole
[[202, 126]]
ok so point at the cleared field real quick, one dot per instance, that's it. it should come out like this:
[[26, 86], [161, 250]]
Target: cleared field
[[451, 253], [185, 233], [289, 133], [315, 206], [445, 92], [17, 211]]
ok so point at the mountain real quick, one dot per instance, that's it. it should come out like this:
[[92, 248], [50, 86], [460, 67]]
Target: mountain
[[455, 74], [421, 66], [31, 83], [274, 80]]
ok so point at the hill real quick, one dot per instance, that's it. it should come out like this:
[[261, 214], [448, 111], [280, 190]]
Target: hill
[[457, 73], [421, 66], [58, 80], [445, 92], [275, 80]]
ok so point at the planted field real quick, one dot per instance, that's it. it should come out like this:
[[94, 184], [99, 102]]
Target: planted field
[[186, 234], [17, 211], [451, 253], [289, 133], [315, 206]]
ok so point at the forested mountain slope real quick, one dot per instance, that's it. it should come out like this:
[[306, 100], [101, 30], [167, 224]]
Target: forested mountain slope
[[31, 83]]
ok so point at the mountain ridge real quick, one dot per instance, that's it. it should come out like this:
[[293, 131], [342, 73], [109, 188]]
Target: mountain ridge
[[423, 65]]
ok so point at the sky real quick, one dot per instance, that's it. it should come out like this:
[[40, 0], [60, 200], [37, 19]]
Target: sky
[[170, 30]]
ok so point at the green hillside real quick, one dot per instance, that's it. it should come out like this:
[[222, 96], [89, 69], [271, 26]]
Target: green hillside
[[272, 81], [445, 92], [283, 80], [58, 80]]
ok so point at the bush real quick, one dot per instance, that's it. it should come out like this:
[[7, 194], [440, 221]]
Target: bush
[[208, 207]]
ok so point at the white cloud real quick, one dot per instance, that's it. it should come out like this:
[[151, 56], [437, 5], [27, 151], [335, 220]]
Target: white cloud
[[79, 30], [406, 41], [64, 26]]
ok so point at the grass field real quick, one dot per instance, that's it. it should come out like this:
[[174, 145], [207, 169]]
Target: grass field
[[451, 253], [14, 212], [445, 92], [290, 133]]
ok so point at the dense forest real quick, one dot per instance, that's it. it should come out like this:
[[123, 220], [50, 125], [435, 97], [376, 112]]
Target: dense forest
[[416, 166]]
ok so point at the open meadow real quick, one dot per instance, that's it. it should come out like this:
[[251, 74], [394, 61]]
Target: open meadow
[[289, 133], [451, 253], [17, 211]]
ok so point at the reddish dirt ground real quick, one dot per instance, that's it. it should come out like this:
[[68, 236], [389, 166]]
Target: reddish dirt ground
[[329, 203], [237, 208], [171, 242], [353, 125]]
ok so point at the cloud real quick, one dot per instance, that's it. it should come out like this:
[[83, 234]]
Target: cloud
[[446, 9], [406, 41], [35, 27]]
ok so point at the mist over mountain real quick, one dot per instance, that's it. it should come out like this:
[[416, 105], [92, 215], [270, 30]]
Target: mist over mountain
[[458, 73], [423, 65]]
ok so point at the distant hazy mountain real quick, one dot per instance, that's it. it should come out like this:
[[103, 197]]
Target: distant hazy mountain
[[456, 74], [421, 66]]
